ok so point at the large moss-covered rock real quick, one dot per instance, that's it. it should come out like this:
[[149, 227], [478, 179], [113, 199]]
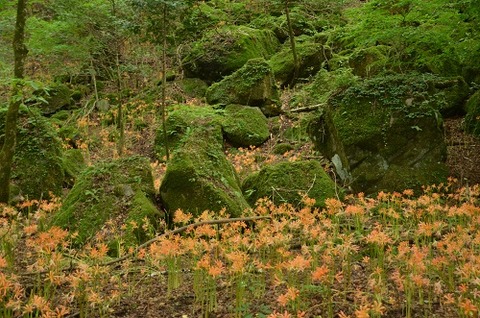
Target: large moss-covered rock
[[472, 118], [310, 56], [290, 182], [385, 134], [222, 51], [37, 164], [118, 192], [180, 122], [199, 177], [252, 85], [245, 126]]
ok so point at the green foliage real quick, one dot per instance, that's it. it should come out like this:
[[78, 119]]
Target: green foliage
[[472, 118], [429, 35]]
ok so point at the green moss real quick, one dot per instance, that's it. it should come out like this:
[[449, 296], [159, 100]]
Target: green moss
[[282, 148], [472, 118], [193, 87], [288, 182], [199, 177], [37, 164], [252, 85], [381, 126], [109, 191], [180, 123], [73, 164], [245, 126], [310, 55], [225, 50]]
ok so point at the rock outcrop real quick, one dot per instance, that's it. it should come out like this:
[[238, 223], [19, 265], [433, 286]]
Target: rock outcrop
[[252, 85], [223, 51], [387, 133]]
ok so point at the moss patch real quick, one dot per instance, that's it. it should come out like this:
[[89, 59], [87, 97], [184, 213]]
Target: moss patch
[[251, 85], [73, 163], [310, 55], [288, 182], [56, 97], [117, 192], [37, 164], [225, 50], [180, 122], [381, 126], [199, 177], [245, 126]]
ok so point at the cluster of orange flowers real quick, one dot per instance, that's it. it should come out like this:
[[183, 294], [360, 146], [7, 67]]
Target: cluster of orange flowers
[[364, 257]]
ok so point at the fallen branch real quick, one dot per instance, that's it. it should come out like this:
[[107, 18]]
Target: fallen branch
[[183, 229], [307, 108], [176, 231]]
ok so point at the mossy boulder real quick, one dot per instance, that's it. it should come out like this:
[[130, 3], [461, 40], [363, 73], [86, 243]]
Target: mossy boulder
[[310, 56], [290, 182], [119, 192], [37, 164], [245, 126], [222, 51], [472, 118], [384, 134], [73, 163], [199, 177], [252, 85], [193, 87], [180, 122]]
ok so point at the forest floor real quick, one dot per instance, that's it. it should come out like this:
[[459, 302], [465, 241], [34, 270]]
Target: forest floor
[[143, 290], [150, 297]]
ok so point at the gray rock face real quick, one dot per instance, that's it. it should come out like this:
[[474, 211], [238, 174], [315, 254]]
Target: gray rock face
[[385, 134]]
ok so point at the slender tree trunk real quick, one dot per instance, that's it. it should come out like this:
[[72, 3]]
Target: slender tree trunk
[[291, 35], [164, 80], [10, 139], [120, 119]]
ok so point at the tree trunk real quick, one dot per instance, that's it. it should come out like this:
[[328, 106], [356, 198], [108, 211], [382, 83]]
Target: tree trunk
[[164, 81], [291, 35], [8, 147]]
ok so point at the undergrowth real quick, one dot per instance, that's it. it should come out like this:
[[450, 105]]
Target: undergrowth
[[393, 255]]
